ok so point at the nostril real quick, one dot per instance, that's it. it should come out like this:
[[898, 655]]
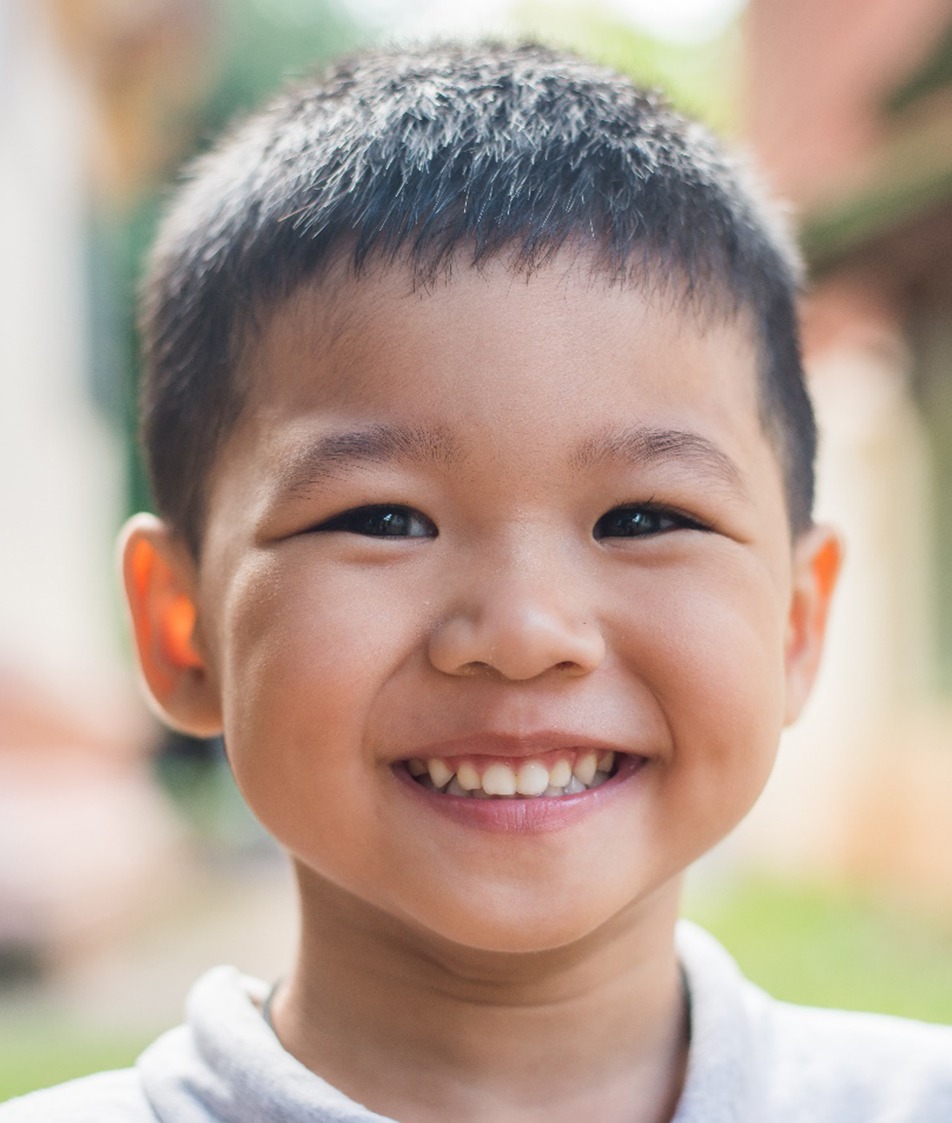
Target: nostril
[[477, 667]]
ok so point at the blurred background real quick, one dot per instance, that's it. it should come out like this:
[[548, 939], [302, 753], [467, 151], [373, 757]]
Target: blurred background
[[127, 863]]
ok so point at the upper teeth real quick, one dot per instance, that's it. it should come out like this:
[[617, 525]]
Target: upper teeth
[[529, 778]]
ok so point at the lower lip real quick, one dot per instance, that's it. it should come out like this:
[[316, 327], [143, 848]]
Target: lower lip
[[534, 814]]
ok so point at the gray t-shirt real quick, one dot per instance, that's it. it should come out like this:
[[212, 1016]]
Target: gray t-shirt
[[752, 1060]]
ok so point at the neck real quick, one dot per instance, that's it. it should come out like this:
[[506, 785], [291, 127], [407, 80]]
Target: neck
[[423, 1030]]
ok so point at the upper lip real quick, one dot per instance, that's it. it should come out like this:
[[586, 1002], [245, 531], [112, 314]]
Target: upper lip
[[511, 745]]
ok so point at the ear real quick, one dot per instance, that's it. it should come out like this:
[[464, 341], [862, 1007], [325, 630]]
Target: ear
[[817, 556], [160, 577]]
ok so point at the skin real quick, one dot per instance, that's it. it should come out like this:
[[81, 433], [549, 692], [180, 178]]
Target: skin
[[558, 575]]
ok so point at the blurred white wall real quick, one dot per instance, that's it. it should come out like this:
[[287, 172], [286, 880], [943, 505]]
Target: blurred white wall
[[59, 466]]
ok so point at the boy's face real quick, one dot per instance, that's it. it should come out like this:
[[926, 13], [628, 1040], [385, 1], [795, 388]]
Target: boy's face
[[499, 523]]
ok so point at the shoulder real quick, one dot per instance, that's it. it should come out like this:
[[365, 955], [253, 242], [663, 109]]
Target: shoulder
[[107, 1097], [865, 1066], [758, 1059]]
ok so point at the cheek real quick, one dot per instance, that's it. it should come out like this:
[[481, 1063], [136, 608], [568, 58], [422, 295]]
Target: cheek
[[306, 657], [730, 661], [320, 637], [711, 653]]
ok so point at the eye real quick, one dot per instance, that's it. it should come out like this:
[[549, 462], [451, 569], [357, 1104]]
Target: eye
[[642, 521], [381, 520]]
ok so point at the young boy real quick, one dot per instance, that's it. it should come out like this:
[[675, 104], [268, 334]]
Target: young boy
[[483, 461]]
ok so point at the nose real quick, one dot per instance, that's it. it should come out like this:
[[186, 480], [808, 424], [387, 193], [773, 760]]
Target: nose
[[518, 630]]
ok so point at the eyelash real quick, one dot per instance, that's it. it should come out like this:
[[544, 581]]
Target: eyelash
[[381, 520], [646, 521]]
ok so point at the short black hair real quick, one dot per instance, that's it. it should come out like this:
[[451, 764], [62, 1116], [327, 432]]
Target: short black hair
[[433, 155]]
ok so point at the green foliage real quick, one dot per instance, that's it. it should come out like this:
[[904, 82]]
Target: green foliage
[[699, 78], [35, 1053], [264, 42], [822, 946]]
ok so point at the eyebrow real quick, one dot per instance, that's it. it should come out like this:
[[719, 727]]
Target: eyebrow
[[648, 445], [337, 453]]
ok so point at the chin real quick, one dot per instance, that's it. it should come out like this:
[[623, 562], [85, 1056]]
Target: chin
[[498, 928]]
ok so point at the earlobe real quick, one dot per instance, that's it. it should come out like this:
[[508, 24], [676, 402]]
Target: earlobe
[[817, 557], [160, 578]]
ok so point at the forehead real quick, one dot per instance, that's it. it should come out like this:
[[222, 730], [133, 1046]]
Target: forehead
[[326, 338], [493, 364]]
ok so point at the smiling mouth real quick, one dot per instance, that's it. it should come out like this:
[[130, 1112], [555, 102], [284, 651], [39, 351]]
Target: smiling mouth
[[560, 774]]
